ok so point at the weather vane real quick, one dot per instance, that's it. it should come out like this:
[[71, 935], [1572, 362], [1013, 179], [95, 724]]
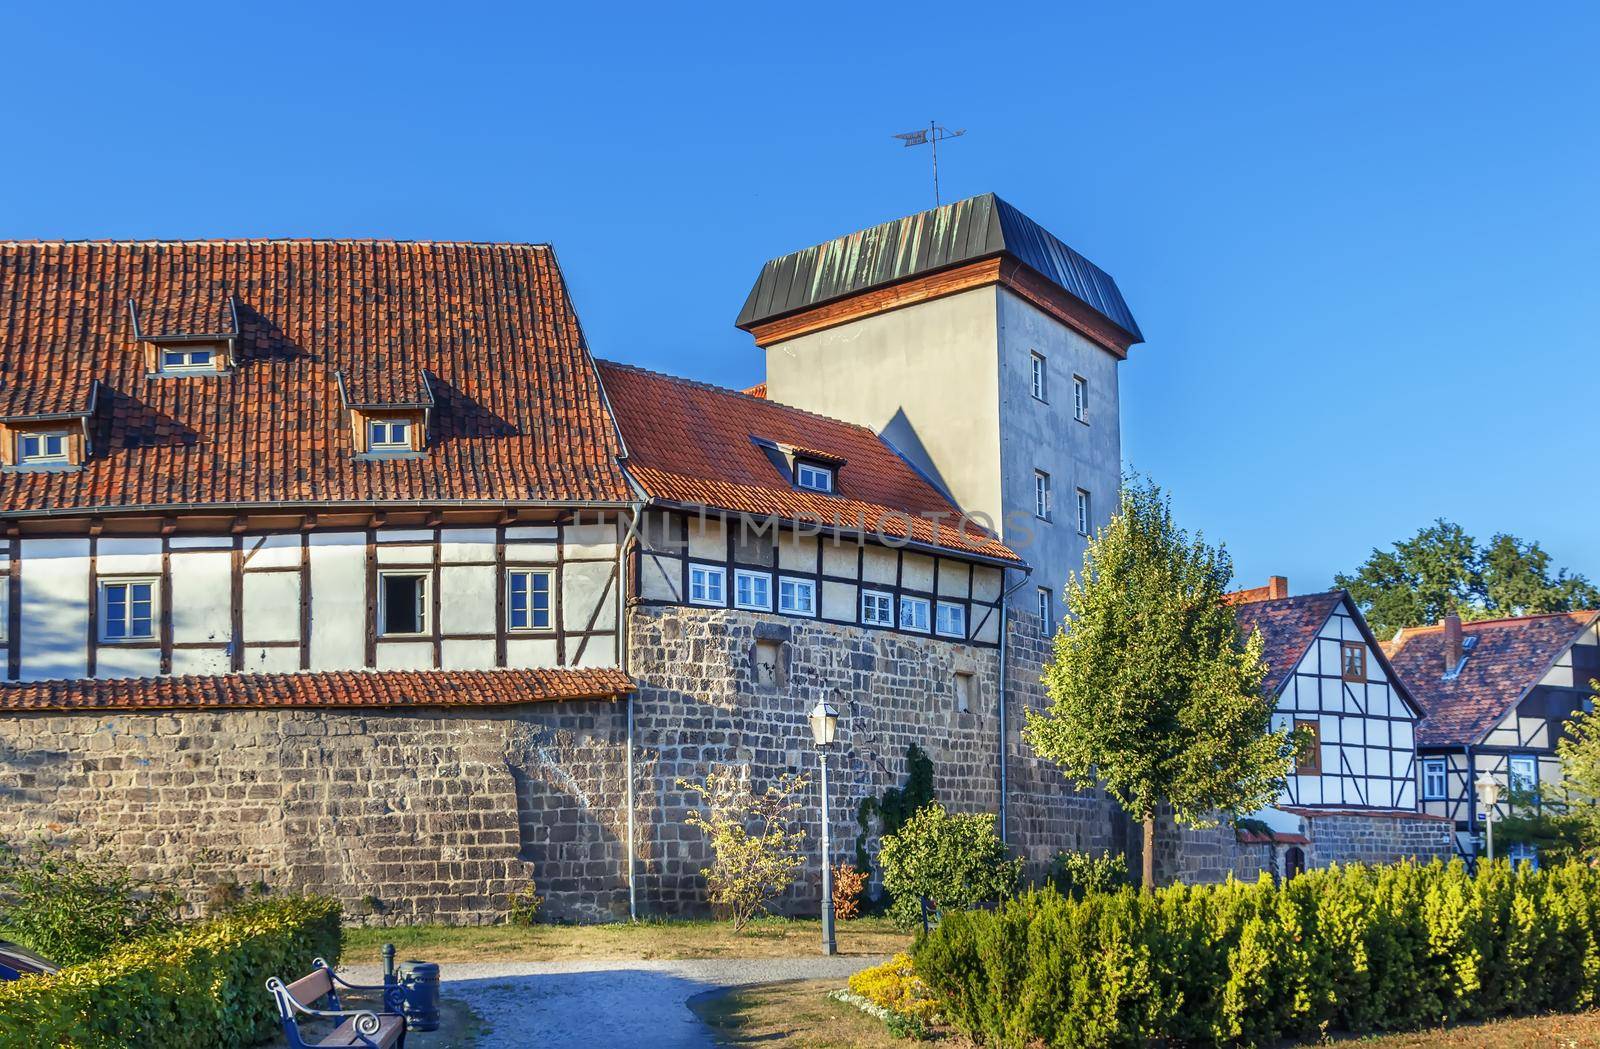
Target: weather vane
[[932, 135]]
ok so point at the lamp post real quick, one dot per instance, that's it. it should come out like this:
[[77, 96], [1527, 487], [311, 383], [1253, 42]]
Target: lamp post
[[1488, 796], [824, 723]]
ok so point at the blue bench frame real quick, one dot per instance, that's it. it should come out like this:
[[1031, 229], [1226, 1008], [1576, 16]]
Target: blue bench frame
[[367, 1022]]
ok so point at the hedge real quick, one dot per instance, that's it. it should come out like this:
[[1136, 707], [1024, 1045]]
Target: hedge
[[204, 985], [1356, 949]]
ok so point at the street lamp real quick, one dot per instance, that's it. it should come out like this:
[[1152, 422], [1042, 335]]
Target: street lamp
[[824, 724], [1488, 796]]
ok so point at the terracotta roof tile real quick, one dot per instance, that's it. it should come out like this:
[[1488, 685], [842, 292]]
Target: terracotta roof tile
[[758, 390], [519, 414], [75, 394], [1288, 625], [355, 688], [690, 443], [1509, 657]]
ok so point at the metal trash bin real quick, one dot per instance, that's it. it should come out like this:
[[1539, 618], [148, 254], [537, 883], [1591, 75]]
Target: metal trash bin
[[420, 982]]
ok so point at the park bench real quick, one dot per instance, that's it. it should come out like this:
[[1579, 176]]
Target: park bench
[[360, 1027]]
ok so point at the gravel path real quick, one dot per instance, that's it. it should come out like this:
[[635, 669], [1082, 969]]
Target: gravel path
[[618, 1005]]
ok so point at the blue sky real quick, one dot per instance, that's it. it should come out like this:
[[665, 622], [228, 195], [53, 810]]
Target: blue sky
[[1361, 240]]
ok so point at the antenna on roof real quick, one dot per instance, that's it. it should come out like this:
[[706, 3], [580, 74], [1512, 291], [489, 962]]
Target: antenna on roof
[[931, 136]]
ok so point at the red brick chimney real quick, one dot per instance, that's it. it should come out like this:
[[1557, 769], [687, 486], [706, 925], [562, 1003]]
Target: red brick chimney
[[1452, 642], [1277, 587]]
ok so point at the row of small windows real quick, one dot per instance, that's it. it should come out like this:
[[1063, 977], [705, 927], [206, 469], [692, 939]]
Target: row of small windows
[[1043, 502], [753, 591], [1523, 772], [1041, 389]]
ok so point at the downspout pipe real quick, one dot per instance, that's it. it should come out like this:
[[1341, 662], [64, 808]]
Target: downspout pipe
[[623, 654], [1005, 623]]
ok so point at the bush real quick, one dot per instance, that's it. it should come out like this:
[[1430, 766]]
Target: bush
[[896, 986], [73, 908], [755, 839], [1077, 874], [954, 860], [203, 985], [848, 885], [524, 905], [1357, 949]]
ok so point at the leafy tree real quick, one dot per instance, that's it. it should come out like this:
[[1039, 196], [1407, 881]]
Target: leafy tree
[[755, 839], [1442, 569], [1151, 691], [1562, 820], [954, 859]]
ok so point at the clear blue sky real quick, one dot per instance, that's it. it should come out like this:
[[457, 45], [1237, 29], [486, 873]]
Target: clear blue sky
[[1361, 240]]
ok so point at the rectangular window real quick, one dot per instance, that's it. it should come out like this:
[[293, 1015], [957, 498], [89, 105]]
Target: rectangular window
[[797, 596], [1039, 391], [877, 608], [706, 585], [385, 435], [966, 686], [1041, 495], [816, 478], [42, 448], [194, 359], [752, 590], [1433, 779], [914, 614], [528, 601], [1046, 609], [1309, 763], [402, 604], [950, 619], [1080, 398], [1083, 512], [1524, 773], [1353, 661], [127, 610]]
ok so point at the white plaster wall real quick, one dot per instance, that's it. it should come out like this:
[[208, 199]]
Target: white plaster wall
[[466, 599], [272, 607], [55, 609], [338, 600], [202, 599]]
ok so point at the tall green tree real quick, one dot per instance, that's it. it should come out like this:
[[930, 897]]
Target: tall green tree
[[1563, 820], [1152, 693], [1442, 569]]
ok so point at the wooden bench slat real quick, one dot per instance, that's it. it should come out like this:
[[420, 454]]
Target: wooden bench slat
[[389, 1030], [308, 989]]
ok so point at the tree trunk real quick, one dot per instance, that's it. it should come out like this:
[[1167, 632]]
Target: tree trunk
[[1148, 879]]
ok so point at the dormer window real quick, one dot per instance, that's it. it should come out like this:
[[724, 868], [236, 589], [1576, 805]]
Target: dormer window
[[42, 448], [813, 477], [179, 360], [392, 435], [389, 418]]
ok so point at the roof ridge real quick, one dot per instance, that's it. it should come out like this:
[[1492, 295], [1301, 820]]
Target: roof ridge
[[714, 388], [134, 241], [1467, 624]]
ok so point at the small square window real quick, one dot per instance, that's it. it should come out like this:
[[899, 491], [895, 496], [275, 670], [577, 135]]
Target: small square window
[[42, 448], [1040, 392], [127, 610], [188, 359], [1083, 512], [797, 596], [1080, 398], [1041, 495], [816, 478], [950, 619], [1353, 661], [528, 601], [1433, 779], [706, 586], [385, 435], [752, 590], [402, 604], [1309, 763], [1046, 609], [914, 614], [877, 608]]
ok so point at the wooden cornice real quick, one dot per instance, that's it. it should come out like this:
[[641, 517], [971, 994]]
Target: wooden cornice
[[1002, 270]]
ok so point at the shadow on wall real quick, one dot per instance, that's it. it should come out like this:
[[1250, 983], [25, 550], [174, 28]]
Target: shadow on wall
[[902, 436]]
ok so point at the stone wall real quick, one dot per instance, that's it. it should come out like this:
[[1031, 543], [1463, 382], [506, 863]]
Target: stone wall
[[1347, 837], [1330, 836]]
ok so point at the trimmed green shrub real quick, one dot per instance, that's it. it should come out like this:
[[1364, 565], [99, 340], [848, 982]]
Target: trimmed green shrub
[[1355, 949], [1077, 874], [73, 908], [955, 860], [202, 985]]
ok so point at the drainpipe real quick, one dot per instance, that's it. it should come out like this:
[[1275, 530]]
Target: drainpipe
[[1005, 603], [637, 512], [1472, 803]]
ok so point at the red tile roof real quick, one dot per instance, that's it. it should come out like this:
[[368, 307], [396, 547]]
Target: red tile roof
[[74, 395], [1509, 657], [518, 417], [326, 689], [691, 444], [758, 390], [1288, 625]]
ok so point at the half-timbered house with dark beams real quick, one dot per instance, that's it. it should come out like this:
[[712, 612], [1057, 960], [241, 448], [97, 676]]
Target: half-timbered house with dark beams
[[1497, 694]]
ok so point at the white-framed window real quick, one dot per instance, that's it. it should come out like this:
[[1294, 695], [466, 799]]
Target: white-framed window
[[388, 435], [127, 609], [950, 619], [528, 600], [42, 447], [1524, 770], [179, 359], [1083, 512], [402, 604], [877, 608], [1080, 398], [816, 478], [707, 585], [1041, 391], [1046, 608], [1041, 495], [914, 614], [1433, 779], [752, 590], [797, 596]]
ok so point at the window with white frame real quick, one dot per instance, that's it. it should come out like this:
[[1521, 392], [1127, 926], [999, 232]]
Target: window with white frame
[[1433, 779], [752, 590], [179, 359], [1040, 391], [1524, 772], [1046, 608], [810, 475], [127, 609], [797, 596], [1083, 512], [42, 447], [1041, 495], [914, 614], [1080, 398], [528, 600], [389, 435], [402, 604], [877, 608], [706, 585], [950, 619]]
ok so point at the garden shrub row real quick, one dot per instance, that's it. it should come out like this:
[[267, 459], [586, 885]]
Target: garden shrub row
[[1357, 949], [204, 985]]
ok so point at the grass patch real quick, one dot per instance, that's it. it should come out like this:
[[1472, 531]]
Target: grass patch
[[1558, 1031], [762, 938], [796, 1015]]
